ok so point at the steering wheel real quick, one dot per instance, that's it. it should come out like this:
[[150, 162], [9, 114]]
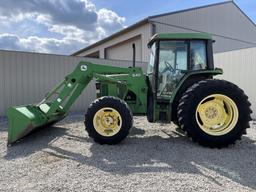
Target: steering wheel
[[169, 66]]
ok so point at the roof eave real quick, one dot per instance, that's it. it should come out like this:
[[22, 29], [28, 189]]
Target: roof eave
[[190, 9], [140, 23]]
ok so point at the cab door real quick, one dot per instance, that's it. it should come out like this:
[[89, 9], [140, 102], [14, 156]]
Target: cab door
[[173, 61]]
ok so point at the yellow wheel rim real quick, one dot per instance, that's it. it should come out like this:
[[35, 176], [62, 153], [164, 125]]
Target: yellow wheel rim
[[107, 121], [217, 114]]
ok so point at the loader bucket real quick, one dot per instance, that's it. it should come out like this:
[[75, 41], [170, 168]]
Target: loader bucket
[[24, 119]]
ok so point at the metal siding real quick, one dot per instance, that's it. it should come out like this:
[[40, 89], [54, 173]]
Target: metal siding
[[239, 67], [223, 19], [25, 78], [2, 83]]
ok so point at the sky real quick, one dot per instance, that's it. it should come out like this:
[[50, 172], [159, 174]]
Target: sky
[[65, 26]]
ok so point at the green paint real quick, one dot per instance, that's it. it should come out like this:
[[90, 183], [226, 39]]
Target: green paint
[[119, 86]]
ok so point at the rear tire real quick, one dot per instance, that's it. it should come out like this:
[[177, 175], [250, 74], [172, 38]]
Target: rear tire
[[214, 113], [108, 120]]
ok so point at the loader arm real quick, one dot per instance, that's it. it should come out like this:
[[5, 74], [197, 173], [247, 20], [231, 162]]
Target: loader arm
[[56, 104], [76, 82]]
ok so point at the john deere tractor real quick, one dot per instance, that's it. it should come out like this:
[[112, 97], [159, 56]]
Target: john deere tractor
[[178, 87]]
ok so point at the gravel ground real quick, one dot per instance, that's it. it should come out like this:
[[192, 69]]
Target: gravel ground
[[155, 157]]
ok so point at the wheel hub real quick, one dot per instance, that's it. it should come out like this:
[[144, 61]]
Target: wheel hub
[[217, 114], [211, 112], [107, 121]]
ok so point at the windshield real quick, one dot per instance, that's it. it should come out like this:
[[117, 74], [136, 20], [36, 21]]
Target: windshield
[[172, 55]]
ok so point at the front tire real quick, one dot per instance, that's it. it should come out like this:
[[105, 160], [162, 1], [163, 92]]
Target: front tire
[[214, 113], [108, 120]]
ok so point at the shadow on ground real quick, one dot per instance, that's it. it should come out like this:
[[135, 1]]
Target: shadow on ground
[[3, 124], [141, 154]]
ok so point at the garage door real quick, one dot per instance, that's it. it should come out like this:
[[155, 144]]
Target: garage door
[[124, 51]]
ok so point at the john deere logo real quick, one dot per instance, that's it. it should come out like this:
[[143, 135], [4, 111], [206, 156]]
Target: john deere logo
[[83, 68]]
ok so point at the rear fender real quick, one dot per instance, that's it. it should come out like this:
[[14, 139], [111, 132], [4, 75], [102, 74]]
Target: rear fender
[[195, 74]]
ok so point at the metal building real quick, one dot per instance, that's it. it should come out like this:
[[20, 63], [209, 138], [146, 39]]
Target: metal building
[[230, 27]]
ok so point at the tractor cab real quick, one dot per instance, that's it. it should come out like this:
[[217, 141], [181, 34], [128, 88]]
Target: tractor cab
[[172, 58]]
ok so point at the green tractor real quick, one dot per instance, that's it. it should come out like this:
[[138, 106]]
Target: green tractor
[[178, 87]]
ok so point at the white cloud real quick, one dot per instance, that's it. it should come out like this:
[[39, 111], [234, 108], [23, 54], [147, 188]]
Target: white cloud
[[109, 20], [70, 24], [37, 44]]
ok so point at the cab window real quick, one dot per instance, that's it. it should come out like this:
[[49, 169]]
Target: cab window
[[198, 55]]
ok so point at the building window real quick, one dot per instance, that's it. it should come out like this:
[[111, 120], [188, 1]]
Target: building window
[[94, 55]]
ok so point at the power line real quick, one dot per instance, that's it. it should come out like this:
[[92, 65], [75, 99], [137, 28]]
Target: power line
[[231, 38]]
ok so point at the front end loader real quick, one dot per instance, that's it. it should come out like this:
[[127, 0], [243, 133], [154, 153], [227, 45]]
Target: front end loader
[[178, 87], [54, 107]]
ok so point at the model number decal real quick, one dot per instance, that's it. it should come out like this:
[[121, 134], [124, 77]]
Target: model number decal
[[136, 75]]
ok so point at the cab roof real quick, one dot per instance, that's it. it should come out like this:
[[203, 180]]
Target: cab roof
[[179, 36]]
